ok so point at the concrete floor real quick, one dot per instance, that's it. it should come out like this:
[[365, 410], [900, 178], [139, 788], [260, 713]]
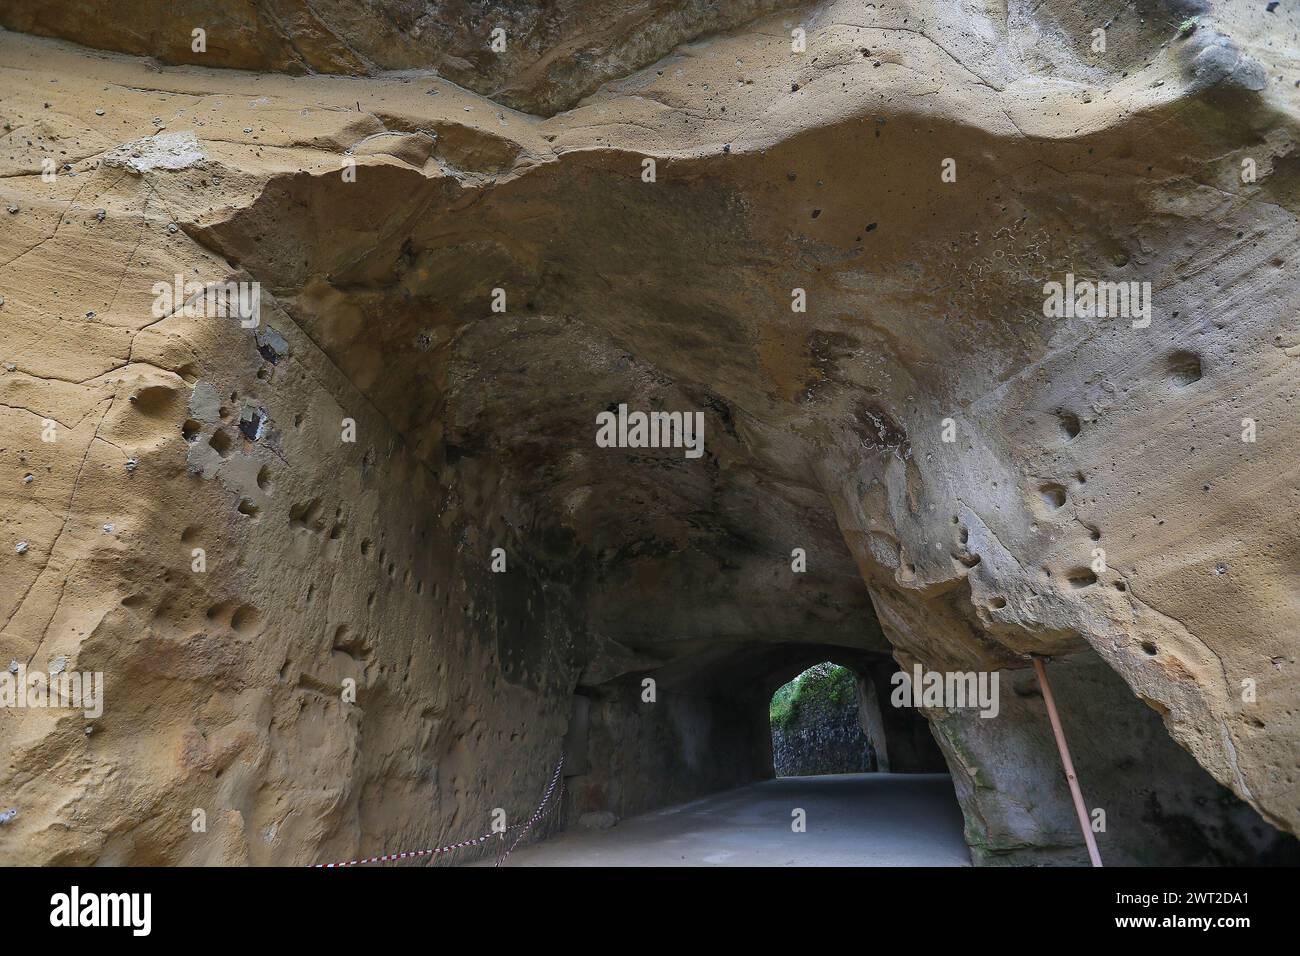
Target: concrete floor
[[867, 819]]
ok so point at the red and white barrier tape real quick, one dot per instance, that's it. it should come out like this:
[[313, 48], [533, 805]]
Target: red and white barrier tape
[[541, 811], [413, 854]]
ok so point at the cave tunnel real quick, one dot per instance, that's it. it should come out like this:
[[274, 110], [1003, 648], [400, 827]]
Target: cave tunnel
[[813, 510], [831, 718], [375, 560]]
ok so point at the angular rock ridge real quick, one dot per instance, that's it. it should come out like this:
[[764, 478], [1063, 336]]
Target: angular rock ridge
[[536, 57], [347, 466]]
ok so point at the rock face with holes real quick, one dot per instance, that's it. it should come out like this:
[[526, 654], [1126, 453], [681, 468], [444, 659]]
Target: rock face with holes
[[346, 560]]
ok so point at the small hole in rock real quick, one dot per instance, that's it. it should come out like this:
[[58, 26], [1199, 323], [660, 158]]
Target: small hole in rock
[[221, 443], [1184, 368], [1053, 495], [1069, 423], [153, 400], [244, 618], [1081, 578]]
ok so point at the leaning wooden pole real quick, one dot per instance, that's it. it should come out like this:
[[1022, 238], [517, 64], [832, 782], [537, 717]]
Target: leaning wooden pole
[[1079, 807]]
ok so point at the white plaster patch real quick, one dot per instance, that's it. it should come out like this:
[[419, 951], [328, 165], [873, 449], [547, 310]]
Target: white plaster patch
[[170, 151]]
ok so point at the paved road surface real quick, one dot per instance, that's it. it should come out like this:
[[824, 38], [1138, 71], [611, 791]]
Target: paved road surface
[[866, 819]]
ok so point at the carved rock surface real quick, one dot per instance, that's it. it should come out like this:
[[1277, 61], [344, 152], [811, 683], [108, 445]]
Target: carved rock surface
[[971, 480], [540, 57]]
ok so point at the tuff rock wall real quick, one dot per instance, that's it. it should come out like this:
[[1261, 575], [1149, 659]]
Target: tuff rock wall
[[380, 211]]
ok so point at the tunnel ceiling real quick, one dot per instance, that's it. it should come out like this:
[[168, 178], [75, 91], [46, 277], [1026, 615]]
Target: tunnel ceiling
[[838, 258], [659, 307]]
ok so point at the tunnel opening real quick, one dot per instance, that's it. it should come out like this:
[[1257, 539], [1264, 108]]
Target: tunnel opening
[[817, 726], [702, 724], [843, 718]]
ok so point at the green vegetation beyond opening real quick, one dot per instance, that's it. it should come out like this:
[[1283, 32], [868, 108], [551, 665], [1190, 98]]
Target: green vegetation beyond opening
[[821, 682]]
